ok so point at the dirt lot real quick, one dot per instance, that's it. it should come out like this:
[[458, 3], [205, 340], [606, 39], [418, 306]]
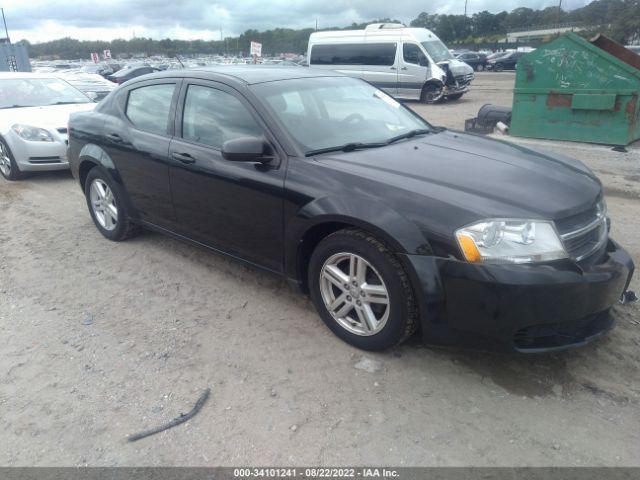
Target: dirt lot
[[101, 340]]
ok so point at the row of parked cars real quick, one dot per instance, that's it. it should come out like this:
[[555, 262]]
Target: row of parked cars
[[496, 62]]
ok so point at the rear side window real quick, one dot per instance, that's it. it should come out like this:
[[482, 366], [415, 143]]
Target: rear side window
[[354, 54], [148, 107], [212, 117]]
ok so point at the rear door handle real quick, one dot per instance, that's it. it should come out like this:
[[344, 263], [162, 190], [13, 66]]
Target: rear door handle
[[114, 137], [183, 157], [393, 68], [404, 68]]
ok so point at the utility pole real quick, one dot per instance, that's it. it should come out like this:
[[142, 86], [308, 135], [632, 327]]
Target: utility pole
[[465, 7], [5, 26], [559, 12], [316, 24]]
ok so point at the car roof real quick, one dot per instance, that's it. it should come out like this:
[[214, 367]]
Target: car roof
[[246, 74]]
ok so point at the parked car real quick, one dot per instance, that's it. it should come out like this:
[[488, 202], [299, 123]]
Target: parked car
[[91, 84], [477, 61], [634, 48], [389, 223], [505, 62], [34, 111], [409, 63], [128, 73]]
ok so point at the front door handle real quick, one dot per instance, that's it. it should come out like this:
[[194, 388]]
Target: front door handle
[[114, 137], [404, 68], [183, 157], [393, 68]]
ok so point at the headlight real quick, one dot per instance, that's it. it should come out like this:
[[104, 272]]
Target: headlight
[[33, 134], [510, 241]]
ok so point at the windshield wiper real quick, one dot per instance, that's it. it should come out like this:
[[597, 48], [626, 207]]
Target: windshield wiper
[[409, 134], [347, 147]]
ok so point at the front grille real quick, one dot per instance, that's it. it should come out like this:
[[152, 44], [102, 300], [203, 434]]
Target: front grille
[[464, 79], [585, 233], [555, 335]]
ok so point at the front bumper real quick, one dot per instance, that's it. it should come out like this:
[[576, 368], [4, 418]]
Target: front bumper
[[518, 308], [39, 156]]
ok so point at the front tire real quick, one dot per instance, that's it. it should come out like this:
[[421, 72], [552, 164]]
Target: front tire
[[107, 206], [8, 166], [431, 93], [498, 68], [361, 291], [479, 67], [457, 96]]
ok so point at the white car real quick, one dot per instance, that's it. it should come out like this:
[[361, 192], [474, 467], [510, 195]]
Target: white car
[[34, 111]]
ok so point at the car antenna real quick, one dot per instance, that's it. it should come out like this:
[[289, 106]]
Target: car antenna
[[178, 58]]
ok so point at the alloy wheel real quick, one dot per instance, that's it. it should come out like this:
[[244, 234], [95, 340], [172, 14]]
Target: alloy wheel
[[5, 161], [103, 204], [354, 294]]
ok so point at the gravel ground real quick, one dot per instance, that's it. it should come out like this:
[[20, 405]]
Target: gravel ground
[[102, 340]]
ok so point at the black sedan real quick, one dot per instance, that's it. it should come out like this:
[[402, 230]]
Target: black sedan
[[477, 61], [506, 62], [128, 73], [390, 224]]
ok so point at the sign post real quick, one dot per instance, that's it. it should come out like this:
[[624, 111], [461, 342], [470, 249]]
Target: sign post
[[256, 51], [94, 57], [107, 54]]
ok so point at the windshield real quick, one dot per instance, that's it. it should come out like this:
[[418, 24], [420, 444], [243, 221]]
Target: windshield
[[38, 92], [327, 112], [437, 50]]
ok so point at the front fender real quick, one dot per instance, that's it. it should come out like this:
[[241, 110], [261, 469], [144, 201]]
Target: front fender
[[402, 235]]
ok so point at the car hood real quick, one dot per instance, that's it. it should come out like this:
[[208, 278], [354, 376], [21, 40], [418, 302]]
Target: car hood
[[53, 116], [488, 177], [457, 67]]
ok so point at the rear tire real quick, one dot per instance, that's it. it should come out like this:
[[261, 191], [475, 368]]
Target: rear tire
[[8, 166], [498, 68], [457, 96], [479, 67], [107, 206], [361, 291]]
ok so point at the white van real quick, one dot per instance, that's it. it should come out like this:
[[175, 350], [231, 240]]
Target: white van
[[410, 63]]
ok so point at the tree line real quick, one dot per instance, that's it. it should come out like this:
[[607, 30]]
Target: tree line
[[619, 19]]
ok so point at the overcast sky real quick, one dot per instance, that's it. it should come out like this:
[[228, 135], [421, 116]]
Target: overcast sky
[[42, 20]]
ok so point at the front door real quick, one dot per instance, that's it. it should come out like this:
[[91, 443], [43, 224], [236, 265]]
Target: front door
[[235, 207], [414, 70]]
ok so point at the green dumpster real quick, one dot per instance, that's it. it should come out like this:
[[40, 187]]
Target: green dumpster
[[573, 89]]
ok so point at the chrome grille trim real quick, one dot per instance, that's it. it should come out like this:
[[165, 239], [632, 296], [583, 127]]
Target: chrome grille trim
[[592, 235]]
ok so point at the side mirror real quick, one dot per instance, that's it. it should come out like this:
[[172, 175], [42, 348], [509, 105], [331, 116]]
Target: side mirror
[[247, 149]]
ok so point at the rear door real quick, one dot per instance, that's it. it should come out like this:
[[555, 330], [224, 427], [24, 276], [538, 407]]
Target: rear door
[[137, 141], [233, 206], [379, 59]]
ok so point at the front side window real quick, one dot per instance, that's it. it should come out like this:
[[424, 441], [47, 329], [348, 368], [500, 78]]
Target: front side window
[[212, 117], [412, 54], [148, 107], [376, 54]]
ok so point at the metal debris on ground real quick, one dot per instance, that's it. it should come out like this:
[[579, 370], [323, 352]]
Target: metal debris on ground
[[176, 421]]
